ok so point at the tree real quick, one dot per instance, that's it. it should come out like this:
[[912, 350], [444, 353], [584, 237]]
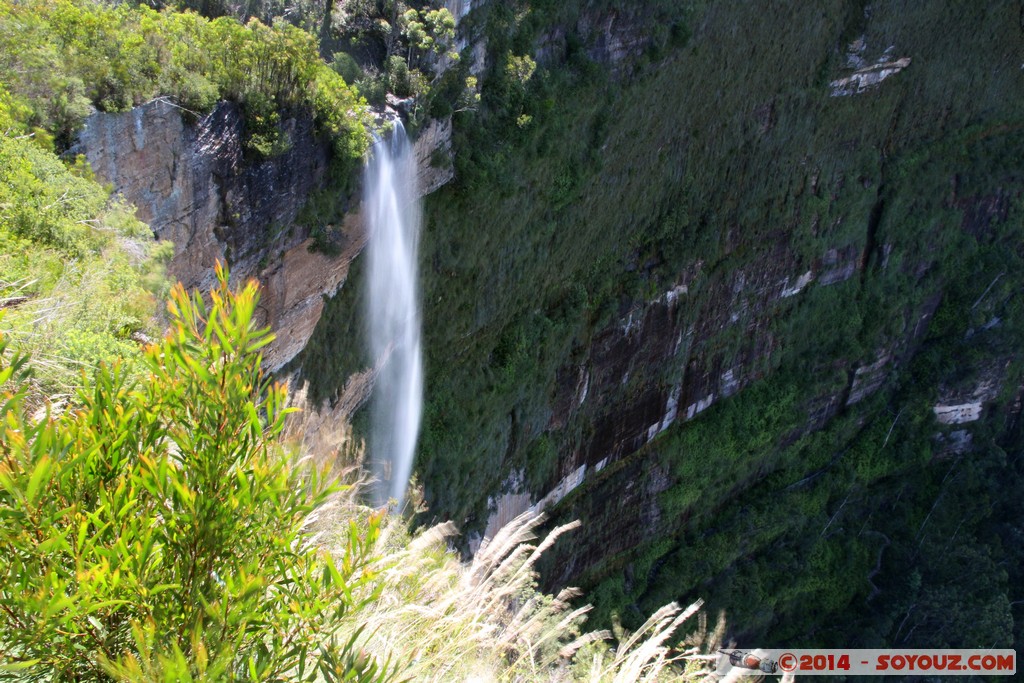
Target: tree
[[428, 31]]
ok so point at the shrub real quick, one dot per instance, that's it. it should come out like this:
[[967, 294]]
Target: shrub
[[82, 272], [156, 530], [57, 58], [347, 67]]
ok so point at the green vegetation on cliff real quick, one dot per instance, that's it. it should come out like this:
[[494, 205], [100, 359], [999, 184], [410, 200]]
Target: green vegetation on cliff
[[823, 504], [60, 57], [79, 275]]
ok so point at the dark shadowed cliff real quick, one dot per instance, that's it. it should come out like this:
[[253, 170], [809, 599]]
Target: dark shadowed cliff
[[741, 289]]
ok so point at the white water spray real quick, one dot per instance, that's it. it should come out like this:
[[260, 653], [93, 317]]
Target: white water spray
[[393, 220]]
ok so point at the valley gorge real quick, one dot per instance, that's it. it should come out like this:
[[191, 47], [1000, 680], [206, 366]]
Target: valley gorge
[[740, 290]]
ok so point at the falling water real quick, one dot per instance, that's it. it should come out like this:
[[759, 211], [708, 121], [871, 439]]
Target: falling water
[[393, 214]]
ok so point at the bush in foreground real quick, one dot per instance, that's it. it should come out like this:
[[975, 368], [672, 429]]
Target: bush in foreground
[[156, 531], [159, 530]]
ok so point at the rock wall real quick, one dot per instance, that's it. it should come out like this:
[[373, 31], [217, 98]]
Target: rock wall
[[194, 183], [735, 324], [677, 334], [433, 149]]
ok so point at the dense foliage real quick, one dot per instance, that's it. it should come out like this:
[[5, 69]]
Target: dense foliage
[[79, 274], [403, 48], [399, 44], [715, 156], [155, 530], [59, 57]]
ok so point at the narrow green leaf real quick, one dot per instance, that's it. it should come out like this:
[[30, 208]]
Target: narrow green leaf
[[40, 475]]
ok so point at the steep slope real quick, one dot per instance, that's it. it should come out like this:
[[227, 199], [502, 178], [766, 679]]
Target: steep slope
[[193, 184], [747, 283], [233, 141], [80, 276]]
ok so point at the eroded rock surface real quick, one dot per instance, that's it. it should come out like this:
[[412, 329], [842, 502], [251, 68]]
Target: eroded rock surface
[[196, 185]]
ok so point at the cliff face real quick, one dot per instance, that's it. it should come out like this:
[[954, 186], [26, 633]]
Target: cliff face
[[194, 184], [726, 297], [738, 288]]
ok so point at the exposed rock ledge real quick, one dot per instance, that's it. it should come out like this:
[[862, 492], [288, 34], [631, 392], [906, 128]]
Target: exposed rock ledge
[[194, 186], [508, 506], [869, 77], [294, 287], [433, 148]]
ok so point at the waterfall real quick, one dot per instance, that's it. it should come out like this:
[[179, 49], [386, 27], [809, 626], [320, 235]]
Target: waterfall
[[393, 222]]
